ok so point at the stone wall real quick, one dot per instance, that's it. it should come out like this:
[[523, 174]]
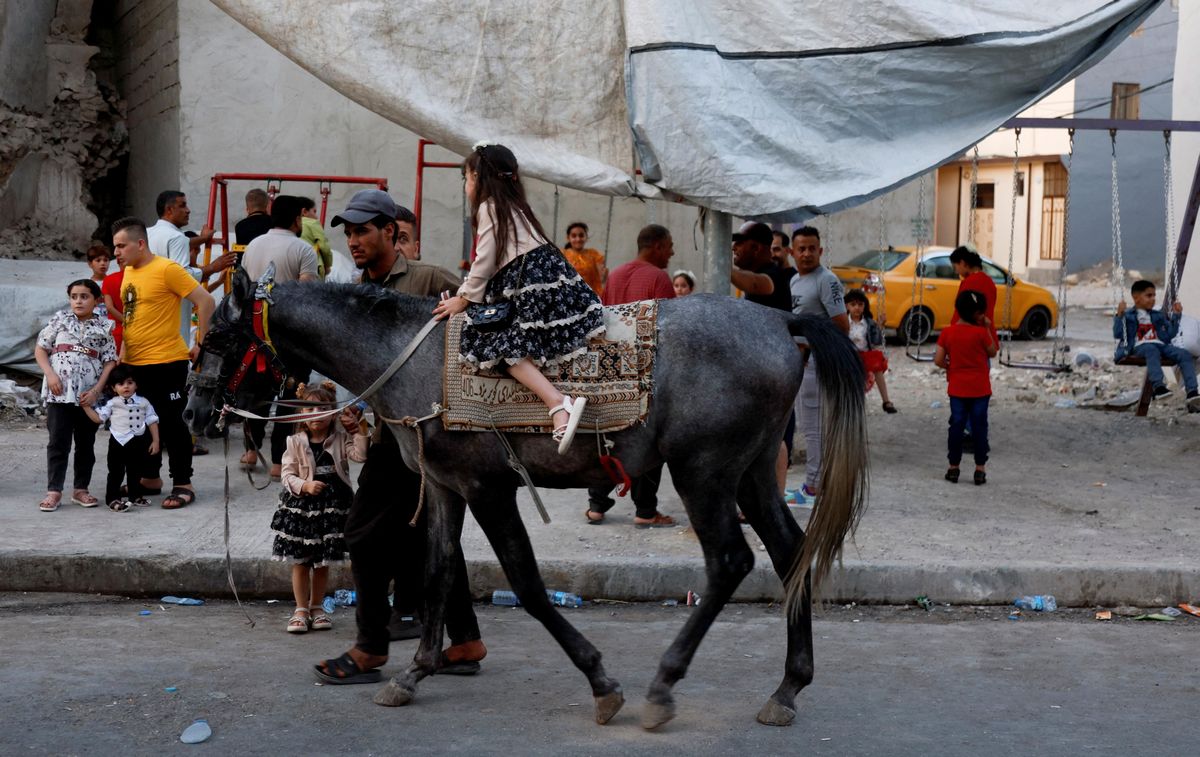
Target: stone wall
[[61, 131]]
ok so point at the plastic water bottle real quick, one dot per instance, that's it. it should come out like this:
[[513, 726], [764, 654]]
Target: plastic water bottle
[[345, 597], [564, 599], [329, 605], [1037, 603], [505, 598]]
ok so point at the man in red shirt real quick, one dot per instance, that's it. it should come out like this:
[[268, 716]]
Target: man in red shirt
[[969, 267], [645, 278]]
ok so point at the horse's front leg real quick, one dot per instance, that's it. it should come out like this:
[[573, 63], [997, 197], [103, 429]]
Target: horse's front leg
[[445, 510], [497, 515]]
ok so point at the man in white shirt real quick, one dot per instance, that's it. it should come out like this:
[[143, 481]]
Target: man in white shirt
[[294, 260], [166, 239]]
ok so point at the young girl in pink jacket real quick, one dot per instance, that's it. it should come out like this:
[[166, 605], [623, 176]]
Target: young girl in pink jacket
[[310, 521]]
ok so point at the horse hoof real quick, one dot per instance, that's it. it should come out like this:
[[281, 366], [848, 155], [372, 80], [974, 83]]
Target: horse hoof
[[394, 695], [655, 715], [608, 705], [774, 713]]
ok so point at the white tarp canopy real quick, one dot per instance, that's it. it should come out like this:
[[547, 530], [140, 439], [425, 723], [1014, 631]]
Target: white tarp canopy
[[760, 108]]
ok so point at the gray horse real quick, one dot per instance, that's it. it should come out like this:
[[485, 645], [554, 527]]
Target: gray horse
[[725, 375]]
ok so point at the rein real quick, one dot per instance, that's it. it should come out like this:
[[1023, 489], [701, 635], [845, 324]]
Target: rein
[[255, 354]]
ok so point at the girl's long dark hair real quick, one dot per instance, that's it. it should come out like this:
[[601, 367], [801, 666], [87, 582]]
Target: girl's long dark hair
[[496, 179], [856, 295]]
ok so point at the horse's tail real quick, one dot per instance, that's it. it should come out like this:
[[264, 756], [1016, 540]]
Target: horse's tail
[[844, 474]]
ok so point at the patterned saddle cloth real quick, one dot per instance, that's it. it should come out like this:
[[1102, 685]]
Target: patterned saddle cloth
[[615, 375]]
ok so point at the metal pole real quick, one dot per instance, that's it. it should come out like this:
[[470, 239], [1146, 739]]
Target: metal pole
[[718, 254]]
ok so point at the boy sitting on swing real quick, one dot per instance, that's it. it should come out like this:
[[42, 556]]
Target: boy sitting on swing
[[1147, 333]]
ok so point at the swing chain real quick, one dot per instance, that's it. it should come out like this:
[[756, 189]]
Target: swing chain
[[1060, 333], [1169, 219], [918, 292], [1118, 253], [882, 263], [1012, 240], [974, 194]]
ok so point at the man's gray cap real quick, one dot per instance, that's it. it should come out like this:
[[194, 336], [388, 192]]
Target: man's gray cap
[[365, 205]]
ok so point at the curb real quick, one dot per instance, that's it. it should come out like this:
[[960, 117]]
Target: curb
[[630, 580]]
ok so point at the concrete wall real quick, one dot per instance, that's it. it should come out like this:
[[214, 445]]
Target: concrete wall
[[238, 105], [1144, 59], [148, 75]]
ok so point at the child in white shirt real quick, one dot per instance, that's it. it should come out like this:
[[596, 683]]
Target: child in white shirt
[[134, 428]]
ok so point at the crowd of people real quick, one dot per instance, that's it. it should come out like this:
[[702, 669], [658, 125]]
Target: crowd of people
[[119, 355]]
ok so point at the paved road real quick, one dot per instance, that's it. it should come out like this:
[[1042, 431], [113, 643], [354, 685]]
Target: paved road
[[86, 674]]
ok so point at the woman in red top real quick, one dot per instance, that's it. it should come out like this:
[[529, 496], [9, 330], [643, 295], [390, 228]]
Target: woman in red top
[[963, 350]]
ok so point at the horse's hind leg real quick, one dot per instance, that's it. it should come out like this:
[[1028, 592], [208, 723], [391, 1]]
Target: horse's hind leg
[[727, 560], [446, 510], [760, 502], [501, 522]]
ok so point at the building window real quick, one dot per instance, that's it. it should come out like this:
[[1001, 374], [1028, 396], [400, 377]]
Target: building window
[[1054, 207], [1124, 100]]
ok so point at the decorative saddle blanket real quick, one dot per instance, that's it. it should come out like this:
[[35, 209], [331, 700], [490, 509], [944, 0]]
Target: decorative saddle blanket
[[615, 374]]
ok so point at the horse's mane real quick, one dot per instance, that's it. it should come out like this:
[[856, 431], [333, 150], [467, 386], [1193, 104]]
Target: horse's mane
[[368, 301]]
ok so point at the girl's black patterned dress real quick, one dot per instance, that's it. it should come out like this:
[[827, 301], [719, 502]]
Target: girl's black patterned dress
[[310, 530]]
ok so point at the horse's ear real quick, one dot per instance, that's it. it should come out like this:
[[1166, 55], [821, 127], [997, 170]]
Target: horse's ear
[[243, 287]]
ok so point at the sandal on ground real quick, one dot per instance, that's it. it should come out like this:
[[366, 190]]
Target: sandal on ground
[[300, 621], [462, 659], [980, 477], [952, 475], [82, 498], [50, 502], [658, 521], [593, 518], [248, 461], [119, 505], [565, 433], [344, 670], [276, 472], [179, 497], [889, 408], [139, 502], [198, 451], [320, 621]]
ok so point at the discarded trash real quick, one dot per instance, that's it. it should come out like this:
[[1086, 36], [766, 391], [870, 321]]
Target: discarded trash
[[505, 598], [171, 689], [345, 597], [1066, 403], [197, 732], [924, 603], [1190, 609], [693, 599], [564, 598], [935, 404], [1173, 612], [1154, 616], [1104, 615], [1084, 360], [272, 601], [670, 603], [1014, 615], [182, 601], [1091, 512], [329, 606], [144, 612], [1037, 603]]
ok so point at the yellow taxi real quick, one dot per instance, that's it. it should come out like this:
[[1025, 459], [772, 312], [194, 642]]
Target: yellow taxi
[[919, 302]]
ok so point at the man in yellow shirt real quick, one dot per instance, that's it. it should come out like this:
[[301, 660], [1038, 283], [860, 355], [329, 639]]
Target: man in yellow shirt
[[311, 232], [152, 291]]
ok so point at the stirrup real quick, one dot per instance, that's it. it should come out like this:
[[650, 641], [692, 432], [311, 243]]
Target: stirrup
[[564, 435]]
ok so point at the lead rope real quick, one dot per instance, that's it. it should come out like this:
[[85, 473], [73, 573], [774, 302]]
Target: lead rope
[[410, 421], [228, 555], [515, 463]]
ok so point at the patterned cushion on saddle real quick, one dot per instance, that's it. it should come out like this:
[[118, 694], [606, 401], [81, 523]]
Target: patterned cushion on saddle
[[616, 376]]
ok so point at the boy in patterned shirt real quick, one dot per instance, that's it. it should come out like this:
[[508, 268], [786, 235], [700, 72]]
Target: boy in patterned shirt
[[134, 428], [76, 354]]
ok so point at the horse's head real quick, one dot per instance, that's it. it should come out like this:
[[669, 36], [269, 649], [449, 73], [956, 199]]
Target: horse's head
[[238, 367]]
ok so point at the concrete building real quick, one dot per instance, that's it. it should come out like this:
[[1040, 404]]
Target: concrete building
[[207, 96]]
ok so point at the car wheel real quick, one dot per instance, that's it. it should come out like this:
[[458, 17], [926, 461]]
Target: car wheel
[[1035, 324], [915, 327]]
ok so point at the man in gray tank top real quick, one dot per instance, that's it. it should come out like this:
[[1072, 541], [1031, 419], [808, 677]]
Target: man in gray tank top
[[816, 290]]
